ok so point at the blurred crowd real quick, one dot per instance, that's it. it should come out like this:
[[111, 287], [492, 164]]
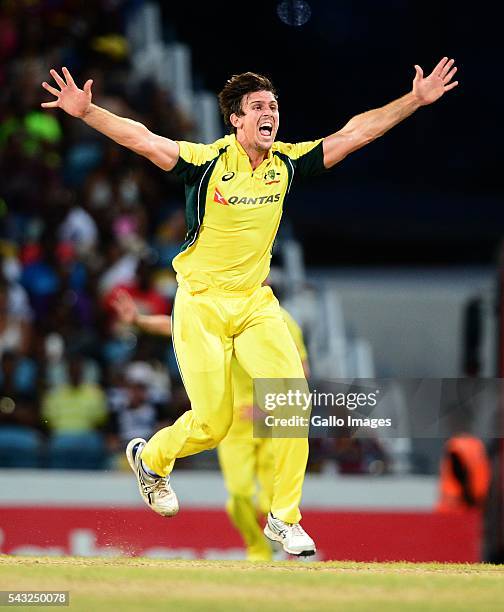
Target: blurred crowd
[[80, 219]]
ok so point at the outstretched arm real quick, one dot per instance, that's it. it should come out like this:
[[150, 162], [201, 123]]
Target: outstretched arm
[[366, 127], [128, 313], [135, 136]]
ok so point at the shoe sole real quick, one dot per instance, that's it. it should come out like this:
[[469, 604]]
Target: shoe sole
[[271, 535]]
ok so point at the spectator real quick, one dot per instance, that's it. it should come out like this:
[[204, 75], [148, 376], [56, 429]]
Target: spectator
[[134, 411], [18, 379], [79, 229], [465, 474], [74, 414], [142, 289], [120, 268], [18, 303], [15, 333], [40, 279], [20, 442]]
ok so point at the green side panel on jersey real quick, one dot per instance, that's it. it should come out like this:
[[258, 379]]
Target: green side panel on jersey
[[311, 163], [191, 215], [194, 217], [186, 171]]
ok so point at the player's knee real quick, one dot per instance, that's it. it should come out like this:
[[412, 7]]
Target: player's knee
[[216, 431]]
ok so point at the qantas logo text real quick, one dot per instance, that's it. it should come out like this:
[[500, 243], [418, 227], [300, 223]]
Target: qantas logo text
[[220, 199]]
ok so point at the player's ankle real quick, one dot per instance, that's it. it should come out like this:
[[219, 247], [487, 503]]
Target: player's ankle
[[148, 471]]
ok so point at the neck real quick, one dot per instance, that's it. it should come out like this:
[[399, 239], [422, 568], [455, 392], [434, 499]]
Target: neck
[[255, 156]]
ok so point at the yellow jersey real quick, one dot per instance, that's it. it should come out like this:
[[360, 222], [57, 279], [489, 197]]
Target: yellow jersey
[[233, 212]]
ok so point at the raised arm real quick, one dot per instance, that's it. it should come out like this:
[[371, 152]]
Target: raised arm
[[366, 127], [128, 313], [135, 136]]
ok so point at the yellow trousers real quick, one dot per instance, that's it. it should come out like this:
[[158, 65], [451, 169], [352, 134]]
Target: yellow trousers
[[208, 329]]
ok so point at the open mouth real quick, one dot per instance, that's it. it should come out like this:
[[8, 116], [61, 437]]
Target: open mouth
[[266, 129]]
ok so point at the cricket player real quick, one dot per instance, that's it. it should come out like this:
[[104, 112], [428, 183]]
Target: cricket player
[[242, 457], [236, 188]]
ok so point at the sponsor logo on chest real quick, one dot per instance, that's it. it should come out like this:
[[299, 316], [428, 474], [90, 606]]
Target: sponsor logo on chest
[[219, 198]]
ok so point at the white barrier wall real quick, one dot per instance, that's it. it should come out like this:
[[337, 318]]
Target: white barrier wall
[[206, 489]]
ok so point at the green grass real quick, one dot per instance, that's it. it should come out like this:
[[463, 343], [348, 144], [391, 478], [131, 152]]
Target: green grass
[[121, 584]]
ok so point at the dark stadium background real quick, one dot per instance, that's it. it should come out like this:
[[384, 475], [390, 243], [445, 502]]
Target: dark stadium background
[[428, 192]]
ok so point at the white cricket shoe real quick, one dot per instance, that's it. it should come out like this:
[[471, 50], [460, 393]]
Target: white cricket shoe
[[155, 491], [293, 537]]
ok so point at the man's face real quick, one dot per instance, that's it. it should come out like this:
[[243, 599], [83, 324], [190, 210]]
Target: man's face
[[137, 394], [258, 125]]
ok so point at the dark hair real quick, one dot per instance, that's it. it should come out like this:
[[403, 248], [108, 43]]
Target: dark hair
[[239, 85]]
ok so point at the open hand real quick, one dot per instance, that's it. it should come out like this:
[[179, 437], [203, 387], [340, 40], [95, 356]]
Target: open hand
[[69, 97], [125, 307], [439, 81]]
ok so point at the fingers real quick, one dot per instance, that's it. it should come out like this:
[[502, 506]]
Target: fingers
[[451, 86], [437, 70], [87, 85], [118, 299], [68, 76], [50, 104], [123, 296], [51, 89], [446, 68], [57, 78], [419, 72], [123, 301], [449, 76], [118, 304]]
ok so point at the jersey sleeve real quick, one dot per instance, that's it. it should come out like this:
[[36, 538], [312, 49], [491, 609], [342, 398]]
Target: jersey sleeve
[[296, 333], [307, 157], [193, 160]]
